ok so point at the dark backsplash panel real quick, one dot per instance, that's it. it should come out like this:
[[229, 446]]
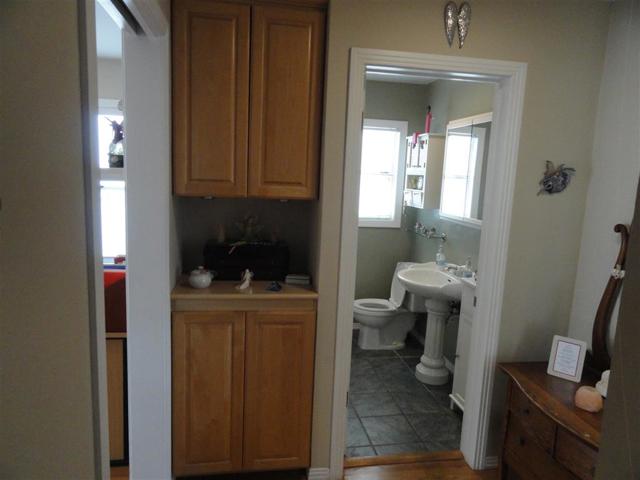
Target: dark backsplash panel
[[198, 220]]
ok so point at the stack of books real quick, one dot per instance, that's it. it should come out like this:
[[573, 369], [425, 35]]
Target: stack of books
[[297, 279]]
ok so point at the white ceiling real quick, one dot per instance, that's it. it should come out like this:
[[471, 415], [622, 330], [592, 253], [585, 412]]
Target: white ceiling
[[108, 35]]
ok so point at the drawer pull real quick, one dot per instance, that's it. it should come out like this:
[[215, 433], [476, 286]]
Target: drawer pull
[[522, 441]]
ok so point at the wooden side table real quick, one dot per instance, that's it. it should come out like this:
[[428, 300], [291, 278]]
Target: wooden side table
[[545, 435]]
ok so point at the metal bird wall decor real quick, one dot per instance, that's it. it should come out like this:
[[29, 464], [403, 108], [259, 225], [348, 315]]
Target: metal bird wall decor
[[457, 19], [555, 179]]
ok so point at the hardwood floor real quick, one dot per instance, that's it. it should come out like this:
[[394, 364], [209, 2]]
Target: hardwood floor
[[455, 469], [119, 473], [434, 470]]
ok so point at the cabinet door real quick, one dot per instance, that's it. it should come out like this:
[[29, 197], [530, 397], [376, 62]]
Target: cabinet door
[[208, 383], [279, 387], [210, 98], [462, 360], [116, 374], [287, 60]]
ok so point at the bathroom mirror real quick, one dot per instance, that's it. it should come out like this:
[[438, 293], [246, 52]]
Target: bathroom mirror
[[464, 169]]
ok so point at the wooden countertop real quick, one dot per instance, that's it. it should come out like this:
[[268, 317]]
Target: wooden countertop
[[554, 396], [223, 295], [226, 290]]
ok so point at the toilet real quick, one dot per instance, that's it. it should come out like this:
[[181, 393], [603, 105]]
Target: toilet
[[384, 324]]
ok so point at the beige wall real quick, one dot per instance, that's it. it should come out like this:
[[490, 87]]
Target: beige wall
[[110, 78], [564, 69], [616, 164], [46, 428]]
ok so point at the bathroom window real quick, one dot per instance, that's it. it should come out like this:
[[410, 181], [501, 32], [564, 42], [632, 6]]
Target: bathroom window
[[113, 218], [381, 175]]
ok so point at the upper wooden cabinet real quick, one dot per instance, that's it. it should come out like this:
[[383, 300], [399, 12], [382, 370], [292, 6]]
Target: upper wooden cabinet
[[210, 98], [245, 128], [287, 58]]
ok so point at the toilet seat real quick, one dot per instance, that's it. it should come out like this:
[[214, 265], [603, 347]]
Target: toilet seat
[[375, 307]]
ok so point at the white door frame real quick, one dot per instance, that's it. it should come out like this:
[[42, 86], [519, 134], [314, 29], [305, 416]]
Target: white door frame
[[149, 276], [509, 78]]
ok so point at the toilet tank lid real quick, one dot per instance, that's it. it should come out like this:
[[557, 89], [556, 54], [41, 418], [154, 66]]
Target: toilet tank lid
[[397, 290]]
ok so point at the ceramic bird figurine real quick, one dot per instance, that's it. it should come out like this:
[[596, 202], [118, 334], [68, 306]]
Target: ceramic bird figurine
[[555, 180], [245, 286]]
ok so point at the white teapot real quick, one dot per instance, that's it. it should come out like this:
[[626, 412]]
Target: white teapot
[[200, 277]]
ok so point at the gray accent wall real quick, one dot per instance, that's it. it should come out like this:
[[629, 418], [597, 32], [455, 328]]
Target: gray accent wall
[[450, 100], [379, 249]]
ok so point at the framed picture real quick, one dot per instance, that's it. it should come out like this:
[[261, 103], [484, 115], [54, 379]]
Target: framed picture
[[567, 358]]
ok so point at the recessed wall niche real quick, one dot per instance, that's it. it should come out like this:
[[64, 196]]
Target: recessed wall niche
[[198, 220]]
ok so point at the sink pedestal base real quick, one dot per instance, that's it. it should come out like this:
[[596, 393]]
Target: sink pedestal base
[[431, 369]]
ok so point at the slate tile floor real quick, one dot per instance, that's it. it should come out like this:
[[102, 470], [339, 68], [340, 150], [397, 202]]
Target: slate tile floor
[[390, 411]]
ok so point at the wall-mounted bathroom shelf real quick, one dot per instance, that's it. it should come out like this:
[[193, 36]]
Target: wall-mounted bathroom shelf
[[415, 179]]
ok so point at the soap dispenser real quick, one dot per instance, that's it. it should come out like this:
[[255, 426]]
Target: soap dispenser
[[441, 260], [467, 271]]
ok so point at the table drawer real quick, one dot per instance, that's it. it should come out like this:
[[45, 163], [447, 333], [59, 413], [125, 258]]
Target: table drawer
[[524, 455], [535, 423], [576, 455]]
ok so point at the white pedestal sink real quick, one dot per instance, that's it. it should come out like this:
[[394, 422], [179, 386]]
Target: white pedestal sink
[[438, 288]]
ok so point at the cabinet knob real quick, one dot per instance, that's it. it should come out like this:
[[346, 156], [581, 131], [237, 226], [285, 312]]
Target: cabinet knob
[[526, 411], [522, 441]]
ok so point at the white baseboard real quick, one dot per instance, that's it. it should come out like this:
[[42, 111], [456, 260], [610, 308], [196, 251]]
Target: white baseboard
[[491, 462], [318, 474]]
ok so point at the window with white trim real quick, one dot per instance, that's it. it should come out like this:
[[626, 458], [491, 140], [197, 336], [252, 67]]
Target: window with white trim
[[112, 186], [382, 173]]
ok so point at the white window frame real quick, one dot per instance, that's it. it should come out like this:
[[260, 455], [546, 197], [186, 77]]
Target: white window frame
[[465, 122], [402, 127], [109, 106]]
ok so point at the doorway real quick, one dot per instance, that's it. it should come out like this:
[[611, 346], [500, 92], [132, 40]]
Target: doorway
[[425, 144], [509, 79]]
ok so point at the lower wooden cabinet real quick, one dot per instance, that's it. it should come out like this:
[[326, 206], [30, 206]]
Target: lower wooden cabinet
[[208, 392], [279, 386], [242, 390], [117, 400]]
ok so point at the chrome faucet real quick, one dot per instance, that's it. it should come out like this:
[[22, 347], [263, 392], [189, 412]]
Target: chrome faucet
[[423, 230], [431, 233]]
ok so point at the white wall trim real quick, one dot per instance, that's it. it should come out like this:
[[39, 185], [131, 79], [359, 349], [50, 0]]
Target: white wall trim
[[318, 474], [147, 67], [95, 277], [491, 462], [508, 103]]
